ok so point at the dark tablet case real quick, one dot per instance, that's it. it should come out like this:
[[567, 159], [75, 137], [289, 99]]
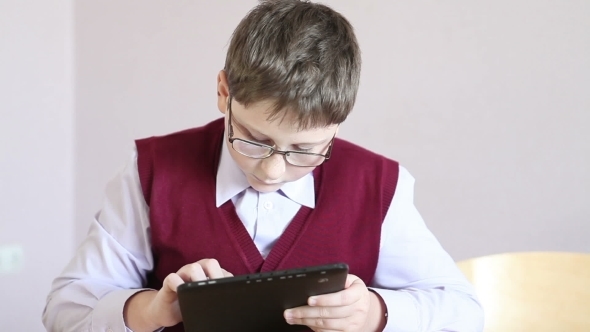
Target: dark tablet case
[[255, 302]]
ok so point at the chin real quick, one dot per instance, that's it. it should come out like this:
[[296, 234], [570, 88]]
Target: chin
[[265, 188]]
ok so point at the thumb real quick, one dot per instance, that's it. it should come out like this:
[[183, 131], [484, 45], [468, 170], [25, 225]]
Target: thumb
[[351, 279]]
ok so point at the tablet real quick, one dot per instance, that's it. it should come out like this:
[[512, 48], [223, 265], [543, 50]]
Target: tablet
[[255, 302]]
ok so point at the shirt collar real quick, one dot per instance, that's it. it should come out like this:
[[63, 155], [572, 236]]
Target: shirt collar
[[301, 191], [231, 181]]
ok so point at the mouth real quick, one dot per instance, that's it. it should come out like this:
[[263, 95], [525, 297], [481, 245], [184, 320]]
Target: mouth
[[267, 183]]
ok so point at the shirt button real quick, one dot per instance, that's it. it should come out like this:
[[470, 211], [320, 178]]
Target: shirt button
[[268, 205]]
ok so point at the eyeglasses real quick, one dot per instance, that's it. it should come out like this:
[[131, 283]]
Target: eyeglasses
[[261, 151]]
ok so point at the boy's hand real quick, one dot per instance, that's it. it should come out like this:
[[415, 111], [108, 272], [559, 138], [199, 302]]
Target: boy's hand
[[163, 310], [346, 310]]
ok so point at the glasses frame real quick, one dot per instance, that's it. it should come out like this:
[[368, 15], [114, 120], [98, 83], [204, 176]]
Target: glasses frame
[[273, 149]]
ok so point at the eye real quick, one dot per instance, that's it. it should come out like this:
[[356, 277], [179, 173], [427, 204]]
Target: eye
[[300, 149]]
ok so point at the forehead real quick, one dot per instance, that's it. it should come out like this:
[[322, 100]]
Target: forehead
[[258, 117]]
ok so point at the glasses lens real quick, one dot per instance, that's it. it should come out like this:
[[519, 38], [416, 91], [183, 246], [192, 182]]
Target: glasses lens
[[251, 150], [304, 159]]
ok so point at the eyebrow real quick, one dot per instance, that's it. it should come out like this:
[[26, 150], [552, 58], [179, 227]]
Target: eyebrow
[[256, 132], [242, 126]]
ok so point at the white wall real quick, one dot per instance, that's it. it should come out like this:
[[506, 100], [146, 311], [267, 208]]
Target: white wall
[[143, 68], [36, 153], [486, 103]]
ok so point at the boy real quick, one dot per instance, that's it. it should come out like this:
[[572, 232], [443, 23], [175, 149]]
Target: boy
[[267, 187]]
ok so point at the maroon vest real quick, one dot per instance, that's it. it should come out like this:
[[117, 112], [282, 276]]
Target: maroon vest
[[178, 175]]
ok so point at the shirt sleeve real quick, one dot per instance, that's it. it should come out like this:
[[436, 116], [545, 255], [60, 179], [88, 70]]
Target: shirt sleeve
[[419, 282], [110, 265]]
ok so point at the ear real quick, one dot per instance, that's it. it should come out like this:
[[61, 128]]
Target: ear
[[222, 91]]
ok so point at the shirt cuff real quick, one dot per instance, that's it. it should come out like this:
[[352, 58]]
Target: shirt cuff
[[108, 312], [402, 314]]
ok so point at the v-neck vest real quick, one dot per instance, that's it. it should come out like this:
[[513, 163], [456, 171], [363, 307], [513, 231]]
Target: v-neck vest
[[353, 191]]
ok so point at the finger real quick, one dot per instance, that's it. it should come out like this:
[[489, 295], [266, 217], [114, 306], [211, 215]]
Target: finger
[[172, 281], [192, 272], [320, 324], [354, 291], [211, 268], [307, 312], [164, 308], [226, 273], [169, 286]]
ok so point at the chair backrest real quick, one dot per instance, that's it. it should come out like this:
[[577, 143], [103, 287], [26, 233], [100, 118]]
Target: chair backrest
[[532, 291]]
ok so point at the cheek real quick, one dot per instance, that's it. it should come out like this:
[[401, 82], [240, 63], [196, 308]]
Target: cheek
[[296, 173], [246, 164]]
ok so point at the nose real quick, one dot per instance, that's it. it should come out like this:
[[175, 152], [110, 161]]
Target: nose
[[273, 167]]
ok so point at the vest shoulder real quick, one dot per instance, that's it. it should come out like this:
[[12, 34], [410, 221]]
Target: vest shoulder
[[346, 151], [188, 136]]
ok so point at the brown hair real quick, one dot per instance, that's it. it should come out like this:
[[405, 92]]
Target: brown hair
[[304, 57]]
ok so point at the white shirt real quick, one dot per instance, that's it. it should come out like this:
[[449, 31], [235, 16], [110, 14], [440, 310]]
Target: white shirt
[[418, 281]]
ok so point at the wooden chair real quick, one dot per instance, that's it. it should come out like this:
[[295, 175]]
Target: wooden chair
[[532, 291]]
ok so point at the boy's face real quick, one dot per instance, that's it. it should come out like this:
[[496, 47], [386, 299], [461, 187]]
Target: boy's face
[[269, 174]]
